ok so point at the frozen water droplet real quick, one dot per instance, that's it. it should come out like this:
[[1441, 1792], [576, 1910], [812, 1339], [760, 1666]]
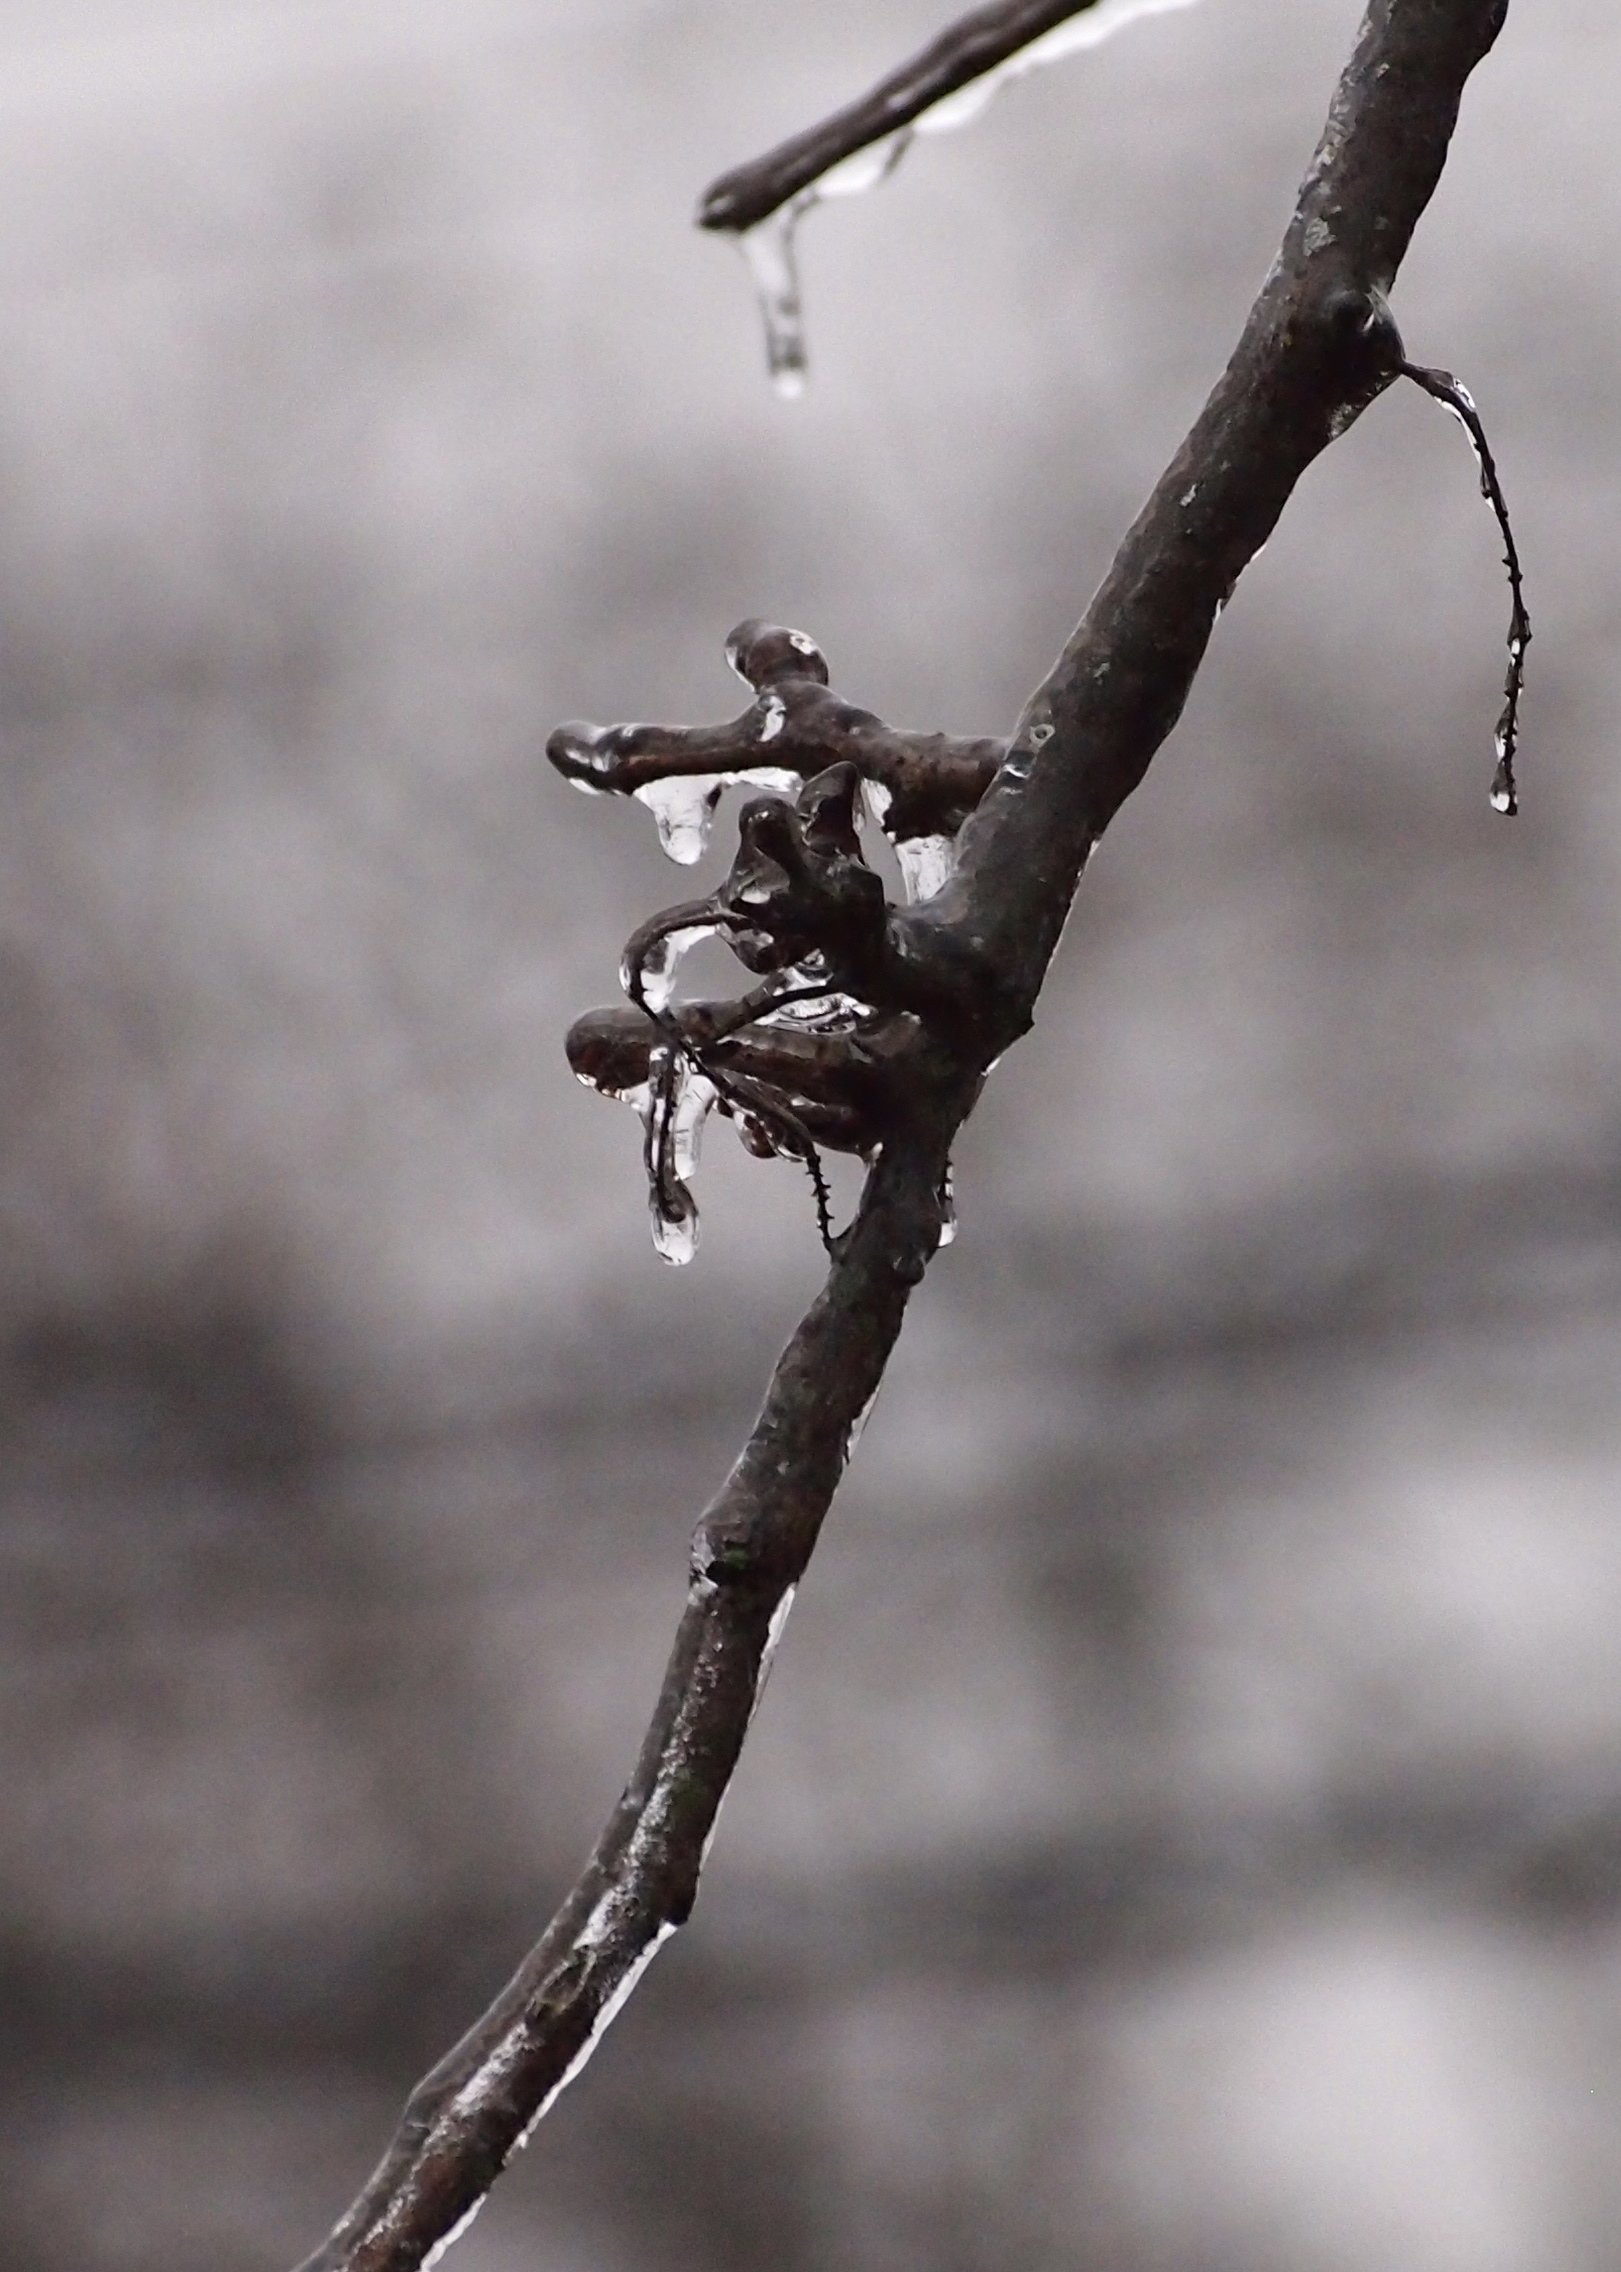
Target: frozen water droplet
[[926, 863], [768, 250], [675, 1226], [683, 805]]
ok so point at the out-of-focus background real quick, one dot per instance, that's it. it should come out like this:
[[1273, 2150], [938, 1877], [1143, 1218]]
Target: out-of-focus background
[[1184, 1830]]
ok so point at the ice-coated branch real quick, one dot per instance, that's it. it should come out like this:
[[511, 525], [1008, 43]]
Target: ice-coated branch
[[467, 2118], [949, 83], [972, 55], [951, 980]]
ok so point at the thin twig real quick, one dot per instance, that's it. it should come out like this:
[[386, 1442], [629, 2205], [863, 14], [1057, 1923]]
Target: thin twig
[[1456, 397]]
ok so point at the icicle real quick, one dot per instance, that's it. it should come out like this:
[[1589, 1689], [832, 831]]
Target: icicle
[[1455, 397], [768, 247], [769, 251], [679, 1101], [927, 864], [695, 1100], [683, 805]]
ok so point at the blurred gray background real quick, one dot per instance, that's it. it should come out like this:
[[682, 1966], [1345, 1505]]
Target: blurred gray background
[[1184, 1830]]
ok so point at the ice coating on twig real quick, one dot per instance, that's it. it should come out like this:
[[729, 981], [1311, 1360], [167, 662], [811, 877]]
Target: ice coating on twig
[[683, 804], [768, 246], [1454, 396], [680, 1099], [927, 864], [649, 978]]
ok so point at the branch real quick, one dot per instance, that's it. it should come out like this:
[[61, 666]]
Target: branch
[[958, 975], [468, 2118], [971, 49]]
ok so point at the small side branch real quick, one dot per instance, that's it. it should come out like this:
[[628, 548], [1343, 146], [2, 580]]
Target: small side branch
[[971, 48]]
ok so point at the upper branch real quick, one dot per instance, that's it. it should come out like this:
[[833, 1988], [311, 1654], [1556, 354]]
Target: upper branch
[[1319, 345], [963, 52]]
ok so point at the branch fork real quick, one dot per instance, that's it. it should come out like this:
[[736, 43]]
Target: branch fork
[[832, 1048]]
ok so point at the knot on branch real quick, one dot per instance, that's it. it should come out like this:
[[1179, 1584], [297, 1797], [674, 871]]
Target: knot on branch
[[826, 1049], [1359, 344]]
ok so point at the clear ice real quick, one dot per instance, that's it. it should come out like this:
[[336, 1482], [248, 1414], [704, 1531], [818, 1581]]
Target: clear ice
[[683, 804], [651, 986], [678, 1100], [927, 864], [768, 248]]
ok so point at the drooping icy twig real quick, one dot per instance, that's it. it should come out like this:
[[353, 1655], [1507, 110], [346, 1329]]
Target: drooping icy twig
[[944, 86], [1454, 396]]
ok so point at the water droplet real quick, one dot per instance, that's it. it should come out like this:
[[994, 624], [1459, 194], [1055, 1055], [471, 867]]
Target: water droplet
[[675, 1227]]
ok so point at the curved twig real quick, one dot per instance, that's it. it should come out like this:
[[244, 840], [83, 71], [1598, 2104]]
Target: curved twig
[[1445, 389]]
